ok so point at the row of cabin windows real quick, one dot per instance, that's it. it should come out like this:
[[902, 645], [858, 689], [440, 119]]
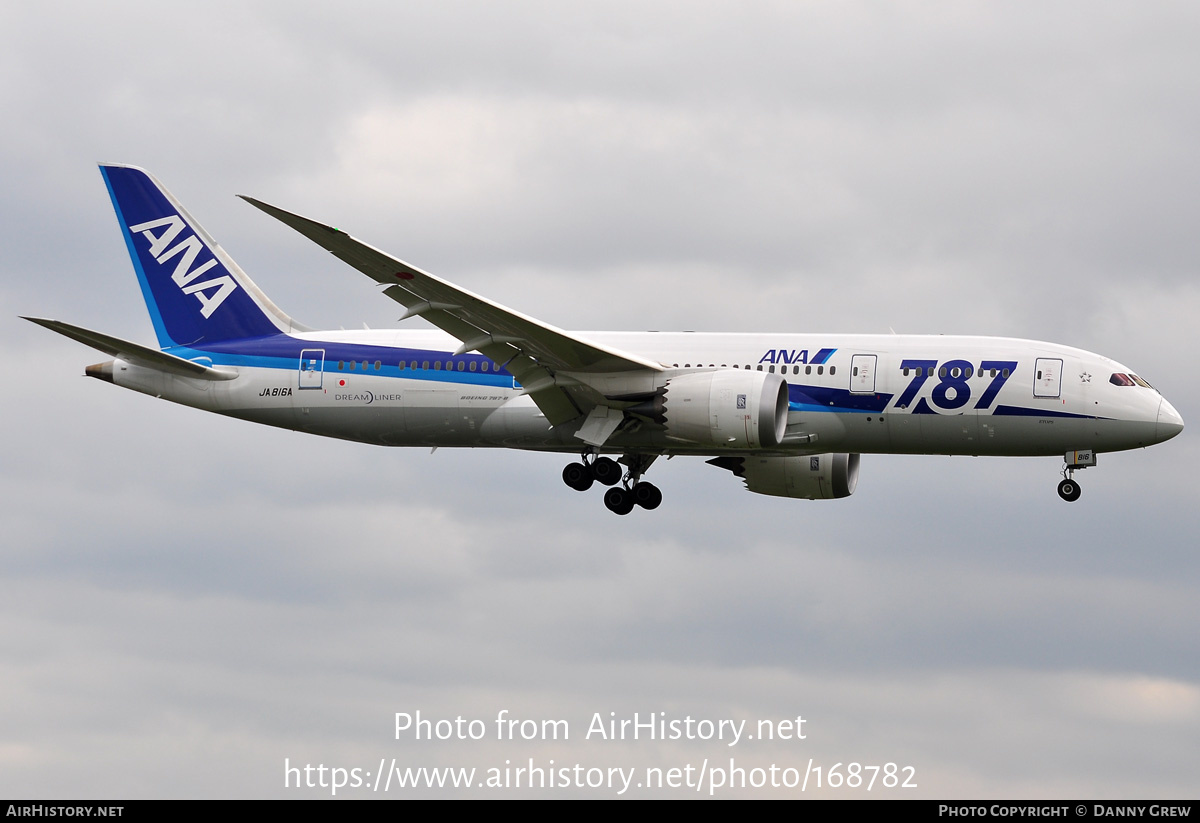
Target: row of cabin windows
[[450, 365], [460, 365], [486, 365], [954, 372], [771, 369], [353, 364]]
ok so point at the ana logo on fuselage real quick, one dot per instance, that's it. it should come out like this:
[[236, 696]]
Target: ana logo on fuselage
[[187, 249], [800, 356]]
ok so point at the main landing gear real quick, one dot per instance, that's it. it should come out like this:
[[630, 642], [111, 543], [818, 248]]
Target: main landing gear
[[1069, 489], [620, 499]]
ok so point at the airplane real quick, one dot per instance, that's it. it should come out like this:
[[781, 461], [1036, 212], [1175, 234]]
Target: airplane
[[788, 414]]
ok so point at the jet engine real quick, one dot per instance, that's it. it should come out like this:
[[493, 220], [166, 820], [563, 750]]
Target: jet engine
[[729, 408], [809, 477]]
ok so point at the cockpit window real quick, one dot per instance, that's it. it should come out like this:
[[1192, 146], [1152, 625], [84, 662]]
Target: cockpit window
[[1119, 379]]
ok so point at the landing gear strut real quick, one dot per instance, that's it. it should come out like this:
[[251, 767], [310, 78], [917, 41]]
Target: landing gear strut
[[620, 499], [1069, 489]]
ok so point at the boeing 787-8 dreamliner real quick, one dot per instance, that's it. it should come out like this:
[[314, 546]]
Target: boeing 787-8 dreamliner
[[787, 413]]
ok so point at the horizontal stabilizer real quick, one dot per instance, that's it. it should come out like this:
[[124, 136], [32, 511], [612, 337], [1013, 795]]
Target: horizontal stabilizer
[[133, 352]]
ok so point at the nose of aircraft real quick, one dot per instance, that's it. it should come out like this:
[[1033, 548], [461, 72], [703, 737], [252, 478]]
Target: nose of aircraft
[[1169, 422]]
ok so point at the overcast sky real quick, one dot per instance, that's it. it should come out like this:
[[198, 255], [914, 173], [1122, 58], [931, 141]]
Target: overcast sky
[[190, 599]]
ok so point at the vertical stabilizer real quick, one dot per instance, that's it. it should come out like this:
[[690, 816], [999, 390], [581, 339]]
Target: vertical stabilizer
[[196, 294]]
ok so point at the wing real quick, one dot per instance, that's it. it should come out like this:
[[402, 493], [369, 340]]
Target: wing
[[553, 366]]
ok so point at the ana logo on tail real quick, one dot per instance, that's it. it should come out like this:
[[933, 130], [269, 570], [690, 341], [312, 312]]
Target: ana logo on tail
[[188, 249]]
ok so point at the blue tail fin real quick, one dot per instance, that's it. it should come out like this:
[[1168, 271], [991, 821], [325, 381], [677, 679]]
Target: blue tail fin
[[195, 293]]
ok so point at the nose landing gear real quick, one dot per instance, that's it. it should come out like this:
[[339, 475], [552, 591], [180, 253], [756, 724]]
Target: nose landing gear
[[1069, 489]]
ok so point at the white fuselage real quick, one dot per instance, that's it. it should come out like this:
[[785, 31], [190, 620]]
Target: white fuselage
[[847, 393]]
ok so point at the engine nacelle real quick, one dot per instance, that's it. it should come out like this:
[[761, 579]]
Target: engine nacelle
[[731, 408], [809, 477]]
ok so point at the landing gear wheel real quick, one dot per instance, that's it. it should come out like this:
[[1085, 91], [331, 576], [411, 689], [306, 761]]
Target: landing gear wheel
[[618, 500], [606, 471], [646, 495], [578, 476], [1069, 490]]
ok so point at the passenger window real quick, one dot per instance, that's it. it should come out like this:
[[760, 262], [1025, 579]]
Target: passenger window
[[425, 364], [378, 364], [341, 365], [437, 365], [833, 369], [820, 369]]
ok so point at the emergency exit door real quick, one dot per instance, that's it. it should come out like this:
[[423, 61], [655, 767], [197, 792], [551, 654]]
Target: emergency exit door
[[312, 368], [862, 374], [1047, 377]]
